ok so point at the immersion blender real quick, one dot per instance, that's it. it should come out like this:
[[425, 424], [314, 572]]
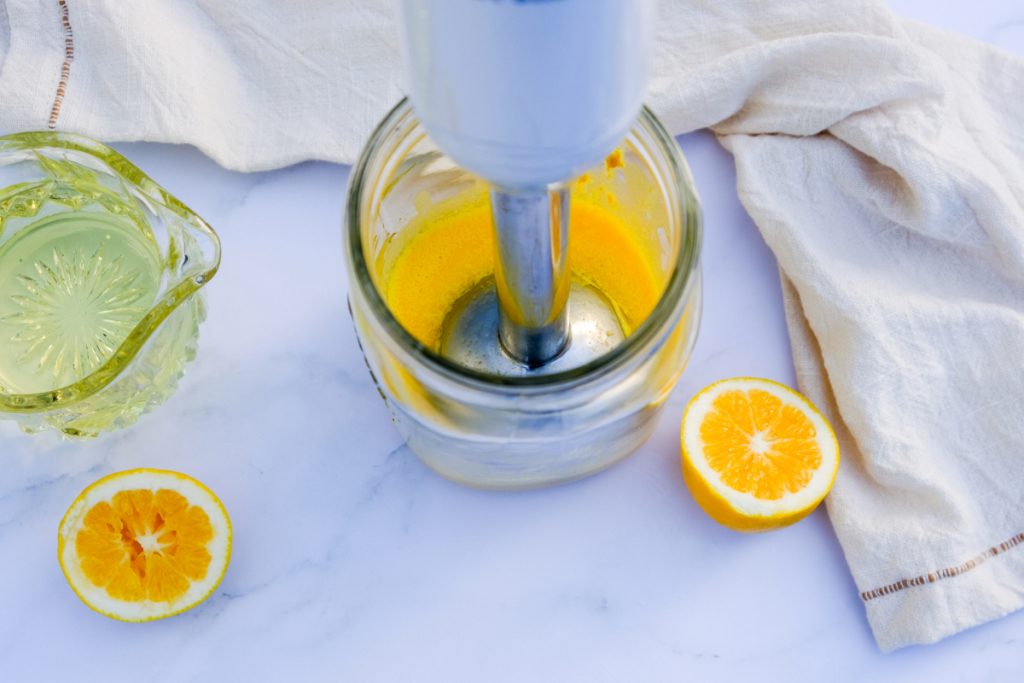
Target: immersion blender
[[528, 94]]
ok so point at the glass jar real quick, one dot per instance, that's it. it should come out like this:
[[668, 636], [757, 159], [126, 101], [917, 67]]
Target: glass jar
[[504, 432]]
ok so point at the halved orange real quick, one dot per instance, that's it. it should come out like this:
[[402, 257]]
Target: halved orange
[[144, 544], [756, 454]]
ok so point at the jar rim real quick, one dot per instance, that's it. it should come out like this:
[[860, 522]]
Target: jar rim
[[681, 280]]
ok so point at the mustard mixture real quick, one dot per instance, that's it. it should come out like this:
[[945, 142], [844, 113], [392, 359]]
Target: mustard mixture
[[451, 252]]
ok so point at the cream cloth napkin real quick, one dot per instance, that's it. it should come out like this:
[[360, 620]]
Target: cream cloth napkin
[[882, 160]]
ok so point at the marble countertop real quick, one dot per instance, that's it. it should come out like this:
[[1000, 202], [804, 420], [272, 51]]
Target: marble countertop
[[354, 562]]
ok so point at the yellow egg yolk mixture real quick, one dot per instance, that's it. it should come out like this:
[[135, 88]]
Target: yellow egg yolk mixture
[[451, 252]]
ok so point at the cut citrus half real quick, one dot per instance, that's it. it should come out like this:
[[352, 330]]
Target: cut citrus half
[[144, 544], [756, 454]]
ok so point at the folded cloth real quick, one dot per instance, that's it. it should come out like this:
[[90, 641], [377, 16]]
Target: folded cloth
[[882, 160]]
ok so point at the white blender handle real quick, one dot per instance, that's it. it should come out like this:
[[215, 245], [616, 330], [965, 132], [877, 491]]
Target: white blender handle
[[526, 93]]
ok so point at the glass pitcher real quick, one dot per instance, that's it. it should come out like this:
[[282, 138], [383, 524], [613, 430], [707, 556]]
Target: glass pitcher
[[100, 278]]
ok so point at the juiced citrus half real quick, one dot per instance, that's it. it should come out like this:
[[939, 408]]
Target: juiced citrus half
[[756, 454], [144, 544]]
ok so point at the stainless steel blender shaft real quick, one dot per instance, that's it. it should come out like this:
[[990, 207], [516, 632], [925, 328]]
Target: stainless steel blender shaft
[[532, 271]]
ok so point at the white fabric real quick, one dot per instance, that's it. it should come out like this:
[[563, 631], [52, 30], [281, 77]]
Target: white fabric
[[882, 160], [255, 84]]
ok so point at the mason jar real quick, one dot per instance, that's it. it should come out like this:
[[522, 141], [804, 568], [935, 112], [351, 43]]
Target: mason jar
[[495, 431]]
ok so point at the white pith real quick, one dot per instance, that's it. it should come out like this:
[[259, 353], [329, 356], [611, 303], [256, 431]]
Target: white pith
[[97, 596], [746, 503]]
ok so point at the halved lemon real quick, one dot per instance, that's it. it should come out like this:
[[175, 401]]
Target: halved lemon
[[144, 544], [756, 454]]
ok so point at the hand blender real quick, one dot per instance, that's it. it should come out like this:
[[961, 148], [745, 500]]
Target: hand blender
[[528, 94]]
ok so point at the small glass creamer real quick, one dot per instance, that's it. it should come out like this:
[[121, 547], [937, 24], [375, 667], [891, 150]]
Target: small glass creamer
[[100, 272]]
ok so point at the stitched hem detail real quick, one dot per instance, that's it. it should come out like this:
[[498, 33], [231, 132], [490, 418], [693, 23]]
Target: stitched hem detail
[[65, 69], [946, 573]]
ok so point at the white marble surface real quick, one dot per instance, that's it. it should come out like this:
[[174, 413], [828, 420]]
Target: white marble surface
[[353, 562]]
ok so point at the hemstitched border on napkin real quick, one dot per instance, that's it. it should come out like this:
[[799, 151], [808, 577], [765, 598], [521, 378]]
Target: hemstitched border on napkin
[[946, 573], [65, 69]]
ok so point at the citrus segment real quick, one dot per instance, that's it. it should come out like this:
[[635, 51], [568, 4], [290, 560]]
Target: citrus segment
[[144, 544], [756, 454]]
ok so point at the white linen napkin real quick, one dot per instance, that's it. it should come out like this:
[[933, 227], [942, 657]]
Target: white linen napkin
[[882, 160]]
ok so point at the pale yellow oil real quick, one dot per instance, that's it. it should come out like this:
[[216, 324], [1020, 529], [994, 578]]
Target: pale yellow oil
[[450, 251], [73, 286]]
